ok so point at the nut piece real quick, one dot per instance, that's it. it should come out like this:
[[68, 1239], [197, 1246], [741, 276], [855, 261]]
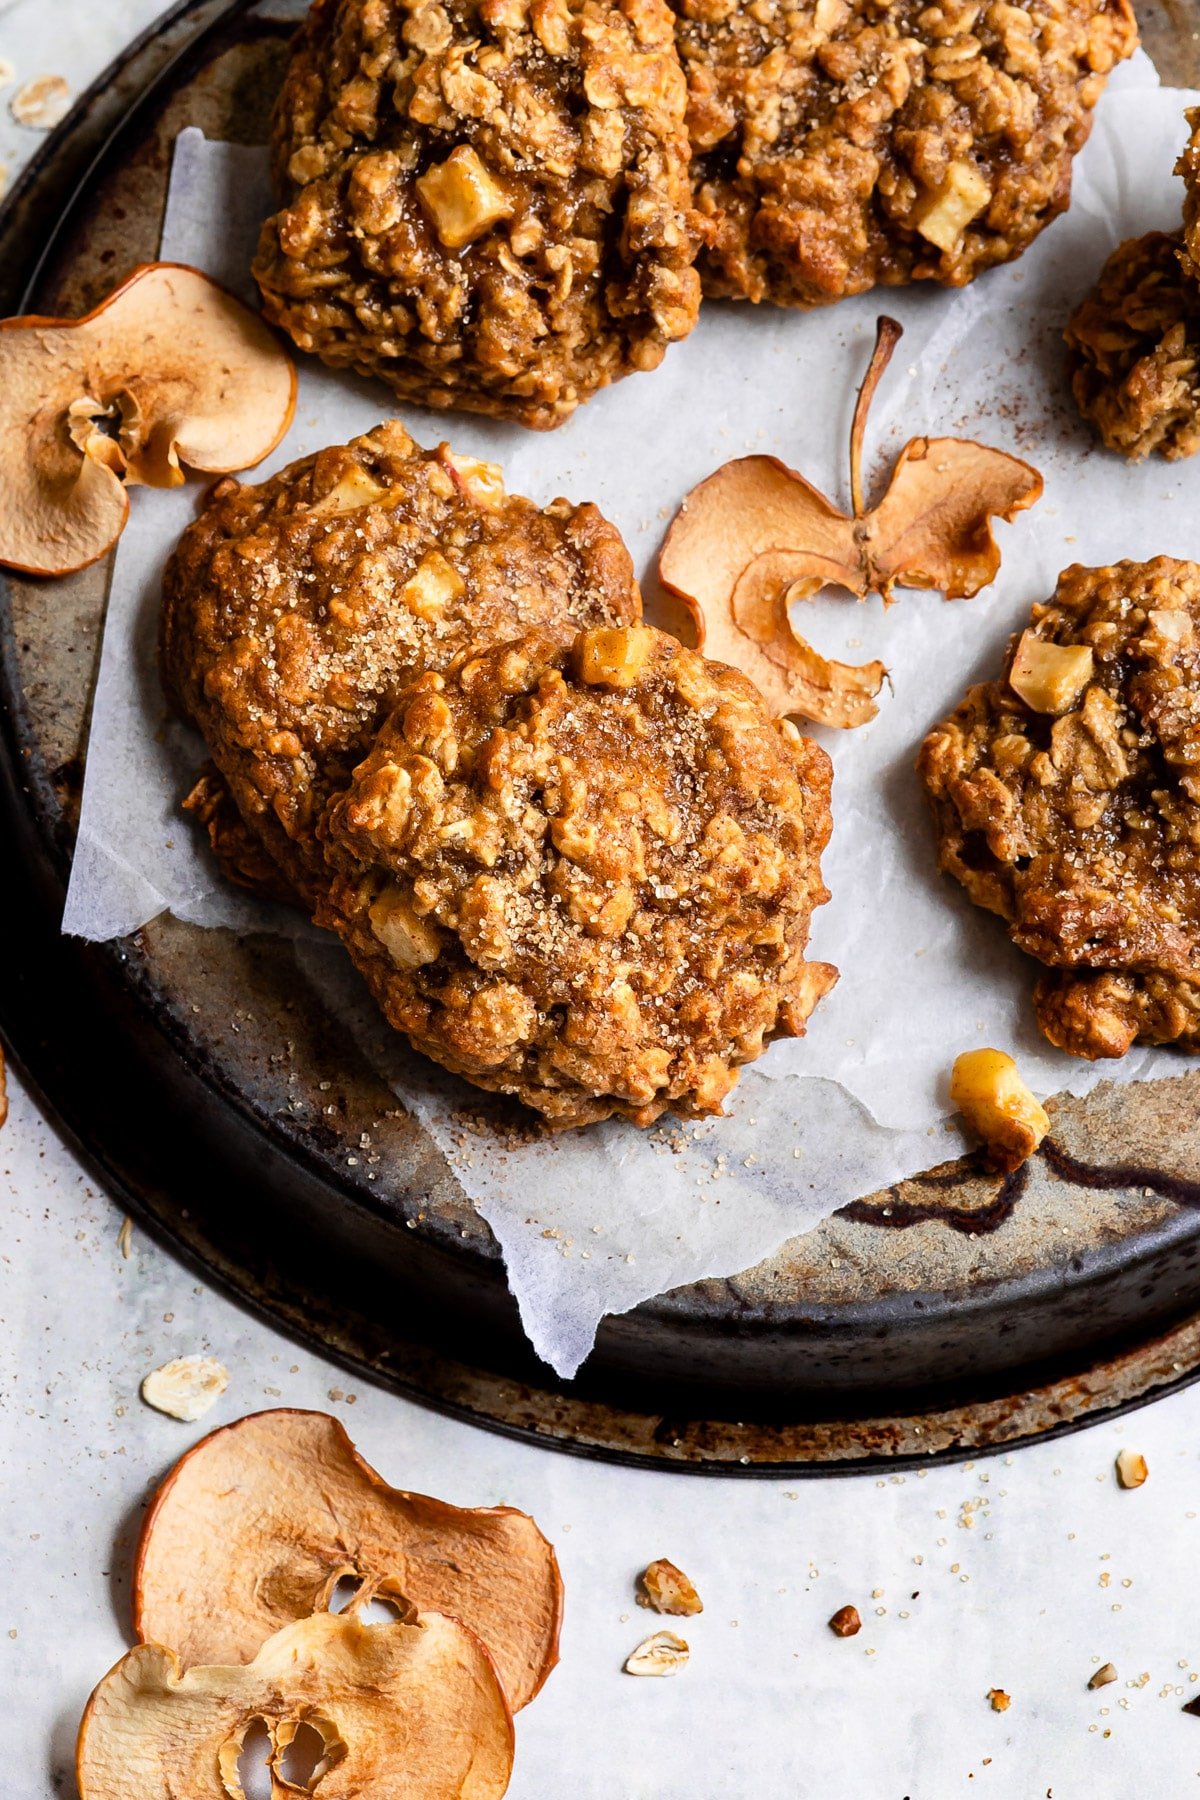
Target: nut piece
[[1103, 1676], [999, 1700], [987, 1089], [411, 1707], [1131, 1469], [615, 656], [944, 213], [665, 1589], [663, 1653], [845, 1622], [42, 103], [1049, 677], [186, 1388], [170, 369], [462, 199]]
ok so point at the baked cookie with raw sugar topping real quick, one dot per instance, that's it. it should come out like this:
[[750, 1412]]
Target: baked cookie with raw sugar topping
[[295, 611], [582, 873]]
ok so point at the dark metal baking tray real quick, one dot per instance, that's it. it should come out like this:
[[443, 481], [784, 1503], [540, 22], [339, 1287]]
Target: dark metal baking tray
[[952, 1313]]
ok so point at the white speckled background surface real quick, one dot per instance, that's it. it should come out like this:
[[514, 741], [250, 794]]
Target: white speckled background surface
[[1057, 1571]]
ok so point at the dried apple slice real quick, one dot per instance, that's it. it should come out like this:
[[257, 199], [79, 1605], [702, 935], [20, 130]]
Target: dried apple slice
[[170, 369], [258, 1523], [756, 536], [410, 1708]]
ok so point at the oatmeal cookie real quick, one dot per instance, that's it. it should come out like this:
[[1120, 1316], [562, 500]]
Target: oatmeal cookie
[[238, 850], [1072, 807], [295, 611], [1135, 351], [582, 873], [841, 143], [485, 203]]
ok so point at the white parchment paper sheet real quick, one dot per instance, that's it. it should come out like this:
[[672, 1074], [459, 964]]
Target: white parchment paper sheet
[[593, 1222]]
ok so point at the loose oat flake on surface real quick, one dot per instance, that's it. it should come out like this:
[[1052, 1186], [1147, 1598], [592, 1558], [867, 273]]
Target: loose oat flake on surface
[[663, 1653], [186, 1388], [41, 103]]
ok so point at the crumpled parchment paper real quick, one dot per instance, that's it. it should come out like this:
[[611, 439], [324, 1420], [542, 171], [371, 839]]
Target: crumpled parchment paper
[[593, 1222]]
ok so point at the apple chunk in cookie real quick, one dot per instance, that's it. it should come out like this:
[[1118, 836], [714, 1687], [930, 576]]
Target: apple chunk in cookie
[[581, 872], [1066, 796]]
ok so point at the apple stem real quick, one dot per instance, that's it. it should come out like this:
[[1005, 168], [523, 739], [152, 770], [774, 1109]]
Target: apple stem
[[888, 333]]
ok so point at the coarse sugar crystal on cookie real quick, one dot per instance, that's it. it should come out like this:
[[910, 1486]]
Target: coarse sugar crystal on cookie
[[837, 144], [582, 873], [485, 203]]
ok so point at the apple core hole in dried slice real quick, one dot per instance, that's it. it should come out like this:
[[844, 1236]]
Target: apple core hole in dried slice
[[376, 1608], [252, 1772], [301, 1762]]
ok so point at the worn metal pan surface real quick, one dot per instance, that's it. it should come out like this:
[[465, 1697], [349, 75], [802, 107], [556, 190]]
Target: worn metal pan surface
[[219, 1102]]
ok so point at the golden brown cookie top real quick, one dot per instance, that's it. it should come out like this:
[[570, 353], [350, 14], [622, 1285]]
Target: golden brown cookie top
[[582, 873], [484, 202], [840, 143], [294, 611], [1067, 793]]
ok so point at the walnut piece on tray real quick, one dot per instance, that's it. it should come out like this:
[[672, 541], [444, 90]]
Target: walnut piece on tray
[[1134, 346], [1066, 797]]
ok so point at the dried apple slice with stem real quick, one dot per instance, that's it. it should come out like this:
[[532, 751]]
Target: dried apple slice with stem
[[756, 536], [412, 1707], [257, 1525], [169, 369]]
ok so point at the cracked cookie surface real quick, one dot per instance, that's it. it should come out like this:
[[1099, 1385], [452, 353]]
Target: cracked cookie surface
[[1081, 827], [842, 143], [1134, 346], [294, 612], [582, 873], [485, 203]]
